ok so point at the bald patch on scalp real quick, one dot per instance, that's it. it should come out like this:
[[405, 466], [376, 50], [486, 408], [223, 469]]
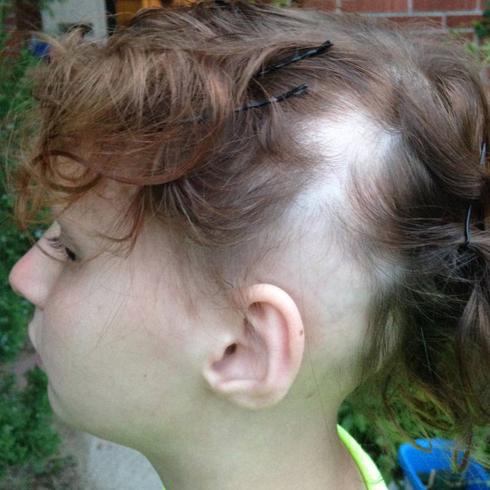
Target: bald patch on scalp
[[350, 144]]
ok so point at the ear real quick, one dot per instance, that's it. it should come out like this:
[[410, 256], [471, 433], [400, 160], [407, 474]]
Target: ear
[[256, 367]]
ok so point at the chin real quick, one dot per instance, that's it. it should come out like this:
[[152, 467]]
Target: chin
[[54, 402], [61, 414]]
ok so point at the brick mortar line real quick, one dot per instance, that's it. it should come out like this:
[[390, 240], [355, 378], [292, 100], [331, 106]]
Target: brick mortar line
[[461, 30], [459, 13]]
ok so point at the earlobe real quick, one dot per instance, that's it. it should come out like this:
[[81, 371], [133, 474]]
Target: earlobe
[[257, 368]]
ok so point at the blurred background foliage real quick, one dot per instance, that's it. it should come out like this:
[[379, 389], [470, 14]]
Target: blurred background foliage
[[29, 445], [28, 442]]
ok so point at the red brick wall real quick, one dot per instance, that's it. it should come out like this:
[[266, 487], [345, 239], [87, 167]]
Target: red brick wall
[[457, 15], [454, 15]]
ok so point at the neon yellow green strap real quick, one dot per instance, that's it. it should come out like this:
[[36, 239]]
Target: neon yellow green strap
[[369, 471]]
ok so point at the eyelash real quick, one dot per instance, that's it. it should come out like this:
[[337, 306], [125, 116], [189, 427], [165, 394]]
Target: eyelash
[[55, 242]]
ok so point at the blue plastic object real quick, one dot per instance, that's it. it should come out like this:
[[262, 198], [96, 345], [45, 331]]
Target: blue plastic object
[[414, 461], [38, 48]]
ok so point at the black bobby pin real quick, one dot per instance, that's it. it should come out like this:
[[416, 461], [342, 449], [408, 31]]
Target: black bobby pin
[[481, 223], [299, 90], [294, 58]]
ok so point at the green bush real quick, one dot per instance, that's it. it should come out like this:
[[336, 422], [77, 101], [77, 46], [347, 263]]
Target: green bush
[[482, 26], [25, 416], [28, 442], [14, 99], [14, 311], [29, 446]]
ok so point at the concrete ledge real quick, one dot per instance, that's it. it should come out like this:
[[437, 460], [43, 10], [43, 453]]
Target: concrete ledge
[[102, 465]]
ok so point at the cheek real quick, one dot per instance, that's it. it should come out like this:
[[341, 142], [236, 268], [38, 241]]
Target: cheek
[[112, 356], [66, 339]]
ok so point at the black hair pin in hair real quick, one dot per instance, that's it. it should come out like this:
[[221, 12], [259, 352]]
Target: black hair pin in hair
[[300, 89], [294, 58], [481, 220]]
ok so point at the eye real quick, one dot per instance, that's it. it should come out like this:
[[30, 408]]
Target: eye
[[56, 243]]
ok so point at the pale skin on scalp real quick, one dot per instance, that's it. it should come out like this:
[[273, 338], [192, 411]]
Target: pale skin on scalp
[[209, 404]]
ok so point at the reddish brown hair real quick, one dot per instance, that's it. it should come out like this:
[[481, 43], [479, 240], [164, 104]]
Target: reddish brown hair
[[131, 106]]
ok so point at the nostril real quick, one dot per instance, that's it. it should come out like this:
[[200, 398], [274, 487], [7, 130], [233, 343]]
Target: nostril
[[230, 350]]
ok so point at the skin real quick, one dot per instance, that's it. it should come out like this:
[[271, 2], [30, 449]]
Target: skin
[[213, 398]]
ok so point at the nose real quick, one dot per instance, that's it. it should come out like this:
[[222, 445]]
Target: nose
[[33, 276]]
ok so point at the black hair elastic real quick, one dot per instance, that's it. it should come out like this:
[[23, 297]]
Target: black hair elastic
[[481, 218]]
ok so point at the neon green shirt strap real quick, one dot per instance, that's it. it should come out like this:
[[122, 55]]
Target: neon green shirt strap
[[369, 471]]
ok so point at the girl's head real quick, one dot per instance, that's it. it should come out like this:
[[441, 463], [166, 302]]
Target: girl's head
[[276, 257]]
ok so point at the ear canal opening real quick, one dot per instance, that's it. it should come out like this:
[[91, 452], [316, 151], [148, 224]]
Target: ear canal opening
[[230, 350]]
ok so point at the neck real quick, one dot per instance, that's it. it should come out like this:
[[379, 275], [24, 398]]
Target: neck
[[298, 455]]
